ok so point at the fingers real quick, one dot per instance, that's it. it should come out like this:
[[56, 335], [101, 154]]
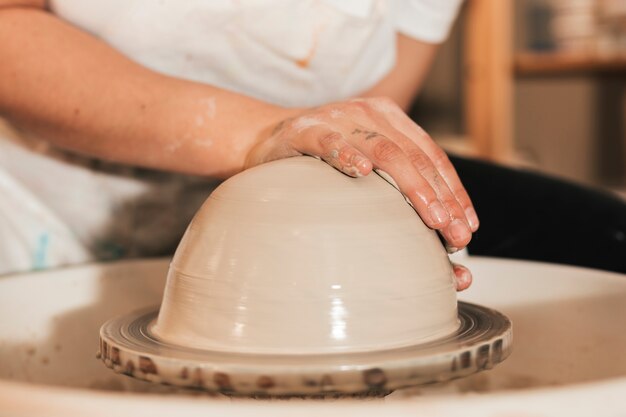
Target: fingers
[[403, 123], [332, 147], [463, 277], [320, 140], [416, 176], [390, 158], [457, 233], [360, 135], [434, 165]]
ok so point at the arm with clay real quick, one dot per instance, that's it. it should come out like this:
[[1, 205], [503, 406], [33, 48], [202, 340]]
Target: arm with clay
[[69, 87], [65, 85]]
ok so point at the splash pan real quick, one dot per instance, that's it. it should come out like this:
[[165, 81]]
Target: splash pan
[[568, 354]]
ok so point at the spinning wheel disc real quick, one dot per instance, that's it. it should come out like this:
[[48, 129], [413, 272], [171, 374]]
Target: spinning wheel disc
[[482, 340]]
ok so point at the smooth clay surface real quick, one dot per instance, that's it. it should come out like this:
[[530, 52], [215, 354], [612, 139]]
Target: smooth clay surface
[[293, 257]]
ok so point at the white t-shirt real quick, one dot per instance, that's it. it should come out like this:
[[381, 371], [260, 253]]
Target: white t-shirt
[[61, 208]]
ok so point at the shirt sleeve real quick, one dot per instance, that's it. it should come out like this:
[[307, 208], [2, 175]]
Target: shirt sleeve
[[425, 20]]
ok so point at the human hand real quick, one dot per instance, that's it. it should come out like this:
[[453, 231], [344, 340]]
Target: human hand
[[359, 135]]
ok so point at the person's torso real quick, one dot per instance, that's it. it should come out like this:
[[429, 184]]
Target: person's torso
[[289, 52]]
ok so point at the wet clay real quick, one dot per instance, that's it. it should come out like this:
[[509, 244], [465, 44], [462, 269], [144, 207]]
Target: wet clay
[[294, 257], [295, 279]]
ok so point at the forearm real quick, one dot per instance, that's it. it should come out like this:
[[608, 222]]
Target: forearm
[[77, 92]]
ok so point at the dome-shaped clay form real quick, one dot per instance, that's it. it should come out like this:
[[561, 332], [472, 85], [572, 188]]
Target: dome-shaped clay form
[[294, 257]]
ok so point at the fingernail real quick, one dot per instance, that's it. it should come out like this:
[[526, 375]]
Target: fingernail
[[363, 165], [451, 249], [472, 218], [459, 230], [438, 214]]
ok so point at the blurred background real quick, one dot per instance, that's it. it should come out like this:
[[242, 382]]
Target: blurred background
[[537, 84]]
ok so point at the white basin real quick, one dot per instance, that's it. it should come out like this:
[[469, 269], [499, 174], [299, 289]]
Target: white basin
[[569, 348]]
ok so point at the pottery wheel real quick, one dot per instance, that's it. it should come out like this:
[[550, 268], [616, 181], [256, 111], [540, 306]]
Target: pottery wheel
[[482, 340]]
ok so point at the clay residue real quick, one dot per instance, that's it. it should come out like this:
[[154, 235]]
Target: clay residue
[[303, 123], [209, 109], [336, 114], [204, 142]]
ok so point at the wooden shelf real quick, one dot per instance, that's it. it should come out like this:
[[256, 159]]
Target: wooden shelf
[[527, 63]]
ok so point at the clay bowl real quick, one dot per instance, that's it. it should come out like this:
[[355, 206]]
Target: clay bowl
[[294, 278]]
